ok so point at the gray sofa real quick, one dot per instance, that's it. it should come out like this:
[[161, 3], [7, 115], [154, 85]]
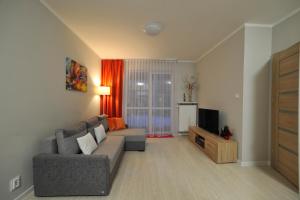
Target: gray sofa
[[62, 170]]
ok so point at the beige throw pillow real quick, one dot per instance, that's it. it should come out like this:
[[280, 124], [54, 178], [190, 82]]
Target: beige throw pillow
[[100, 133]]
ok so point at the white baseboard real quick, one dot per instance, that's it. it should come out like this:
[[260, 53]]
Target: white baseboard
[[254, 163], [23, 194]]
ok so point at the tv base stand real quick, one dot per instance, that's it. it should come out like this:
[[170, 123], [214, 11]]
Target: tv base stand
[[215, 147]]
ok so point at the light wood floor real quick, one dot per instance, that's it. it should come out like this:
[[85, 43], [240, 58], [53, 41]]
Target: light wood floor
[[175, 169]]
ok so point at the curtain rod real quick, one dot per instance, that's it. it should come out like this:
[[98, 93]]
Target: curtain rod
[[155, 59], [168, 59]]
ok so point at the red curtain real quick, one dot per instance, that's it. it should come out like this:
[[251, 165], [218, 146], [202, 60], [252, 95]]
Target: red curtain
[[112, 76]]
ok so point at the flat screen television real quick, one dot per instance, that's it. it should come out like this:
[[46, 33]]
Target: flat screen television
[[209, 120]]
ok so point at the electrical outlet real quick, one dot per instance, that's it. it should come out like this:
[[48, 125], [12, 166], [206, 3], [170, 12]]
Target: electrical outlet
[[15, 183]]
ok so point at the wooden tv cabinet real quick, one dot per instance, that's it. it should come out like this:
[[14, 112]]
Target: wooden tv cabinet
[[215, 147]]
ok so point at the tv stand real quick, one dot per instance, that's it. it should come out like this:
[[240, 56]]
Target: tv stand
[[215, 147]]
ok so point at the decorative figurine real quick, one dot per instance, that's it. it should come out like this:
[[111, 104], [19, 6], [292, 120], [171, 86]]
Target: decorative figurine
[[225, 133]]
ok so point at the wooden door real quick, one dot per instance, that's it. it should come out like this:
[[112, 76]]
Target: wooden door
[[285, 85]]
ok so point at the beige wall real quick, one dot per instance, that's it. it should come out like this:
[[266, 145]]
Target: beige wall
[[220, 76], [34, 102], [257, 54], [286, 33], [240, 66]]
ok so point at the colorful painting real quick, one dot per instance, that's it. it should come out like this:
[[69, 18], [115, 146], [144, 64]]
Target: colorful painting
[[76, 76]]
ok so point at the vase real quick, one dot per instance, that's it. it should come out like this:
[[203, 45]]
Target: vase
[[190, 93]]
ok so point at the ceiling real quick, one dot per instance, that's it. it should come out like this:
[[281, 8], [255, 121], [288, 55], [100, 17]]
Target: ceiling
[[113, 28]]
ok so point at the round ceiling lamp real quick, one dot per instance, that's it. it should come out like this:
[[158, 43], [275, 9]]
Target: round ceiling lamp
[[153, 28]]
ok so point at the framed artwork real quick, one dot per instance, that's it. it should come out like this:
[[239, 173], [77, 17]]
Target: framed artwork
[[76, 76]]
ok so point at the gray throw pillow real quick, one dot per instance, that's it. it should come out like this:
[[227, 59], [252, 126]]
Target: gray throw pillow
[[91, 124], [104, 122], [91, 129], [67, 139]]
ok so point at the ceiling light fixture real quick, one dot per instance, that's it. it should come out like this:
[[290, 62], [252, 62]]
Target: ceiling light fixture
[[153, 28]]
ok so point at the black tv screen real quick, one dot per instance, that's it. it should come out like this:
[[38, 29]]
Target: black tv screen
[[209, 120]]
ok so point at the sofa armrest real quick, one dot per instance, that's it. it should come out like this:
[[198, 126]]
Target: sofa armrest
[[76, 174]]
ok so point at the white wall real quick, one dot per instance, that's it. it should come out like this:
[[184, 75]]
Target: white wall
[[257, 54], [34, 102], [220, 76], [182, 70], [286, 33]]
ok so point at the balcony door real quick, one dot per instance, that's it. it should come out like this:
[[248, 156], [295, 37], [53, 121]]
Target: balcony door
[[148, 95]]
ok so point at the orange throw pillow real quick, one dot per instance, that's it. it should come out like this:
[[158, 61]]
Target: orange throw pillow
[[120, 124], [111, 124], [116, 123]]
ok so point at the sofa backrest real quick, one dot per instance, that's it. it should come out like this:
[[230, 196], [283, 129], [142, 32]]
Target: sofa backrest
[[95, 122], [64, 140], [91, 124], [67, 136], [49, 145]]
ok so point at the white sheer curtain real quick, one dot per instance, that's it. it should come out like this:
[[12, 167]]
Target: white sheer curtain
[[149, 93]]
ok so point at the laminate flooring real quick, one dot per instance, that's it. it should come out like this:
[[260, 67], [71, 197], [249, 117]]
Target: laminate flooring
[[175, 169]]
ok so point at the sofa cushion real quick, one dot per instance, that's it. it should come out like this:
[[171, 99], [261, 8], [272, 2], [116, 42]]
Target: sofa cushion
[[91, 124], [116, 123], [131, 134], [104, 122], [87, 144], [112, 146], [66, 139], [100, 133], [111, 124]]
